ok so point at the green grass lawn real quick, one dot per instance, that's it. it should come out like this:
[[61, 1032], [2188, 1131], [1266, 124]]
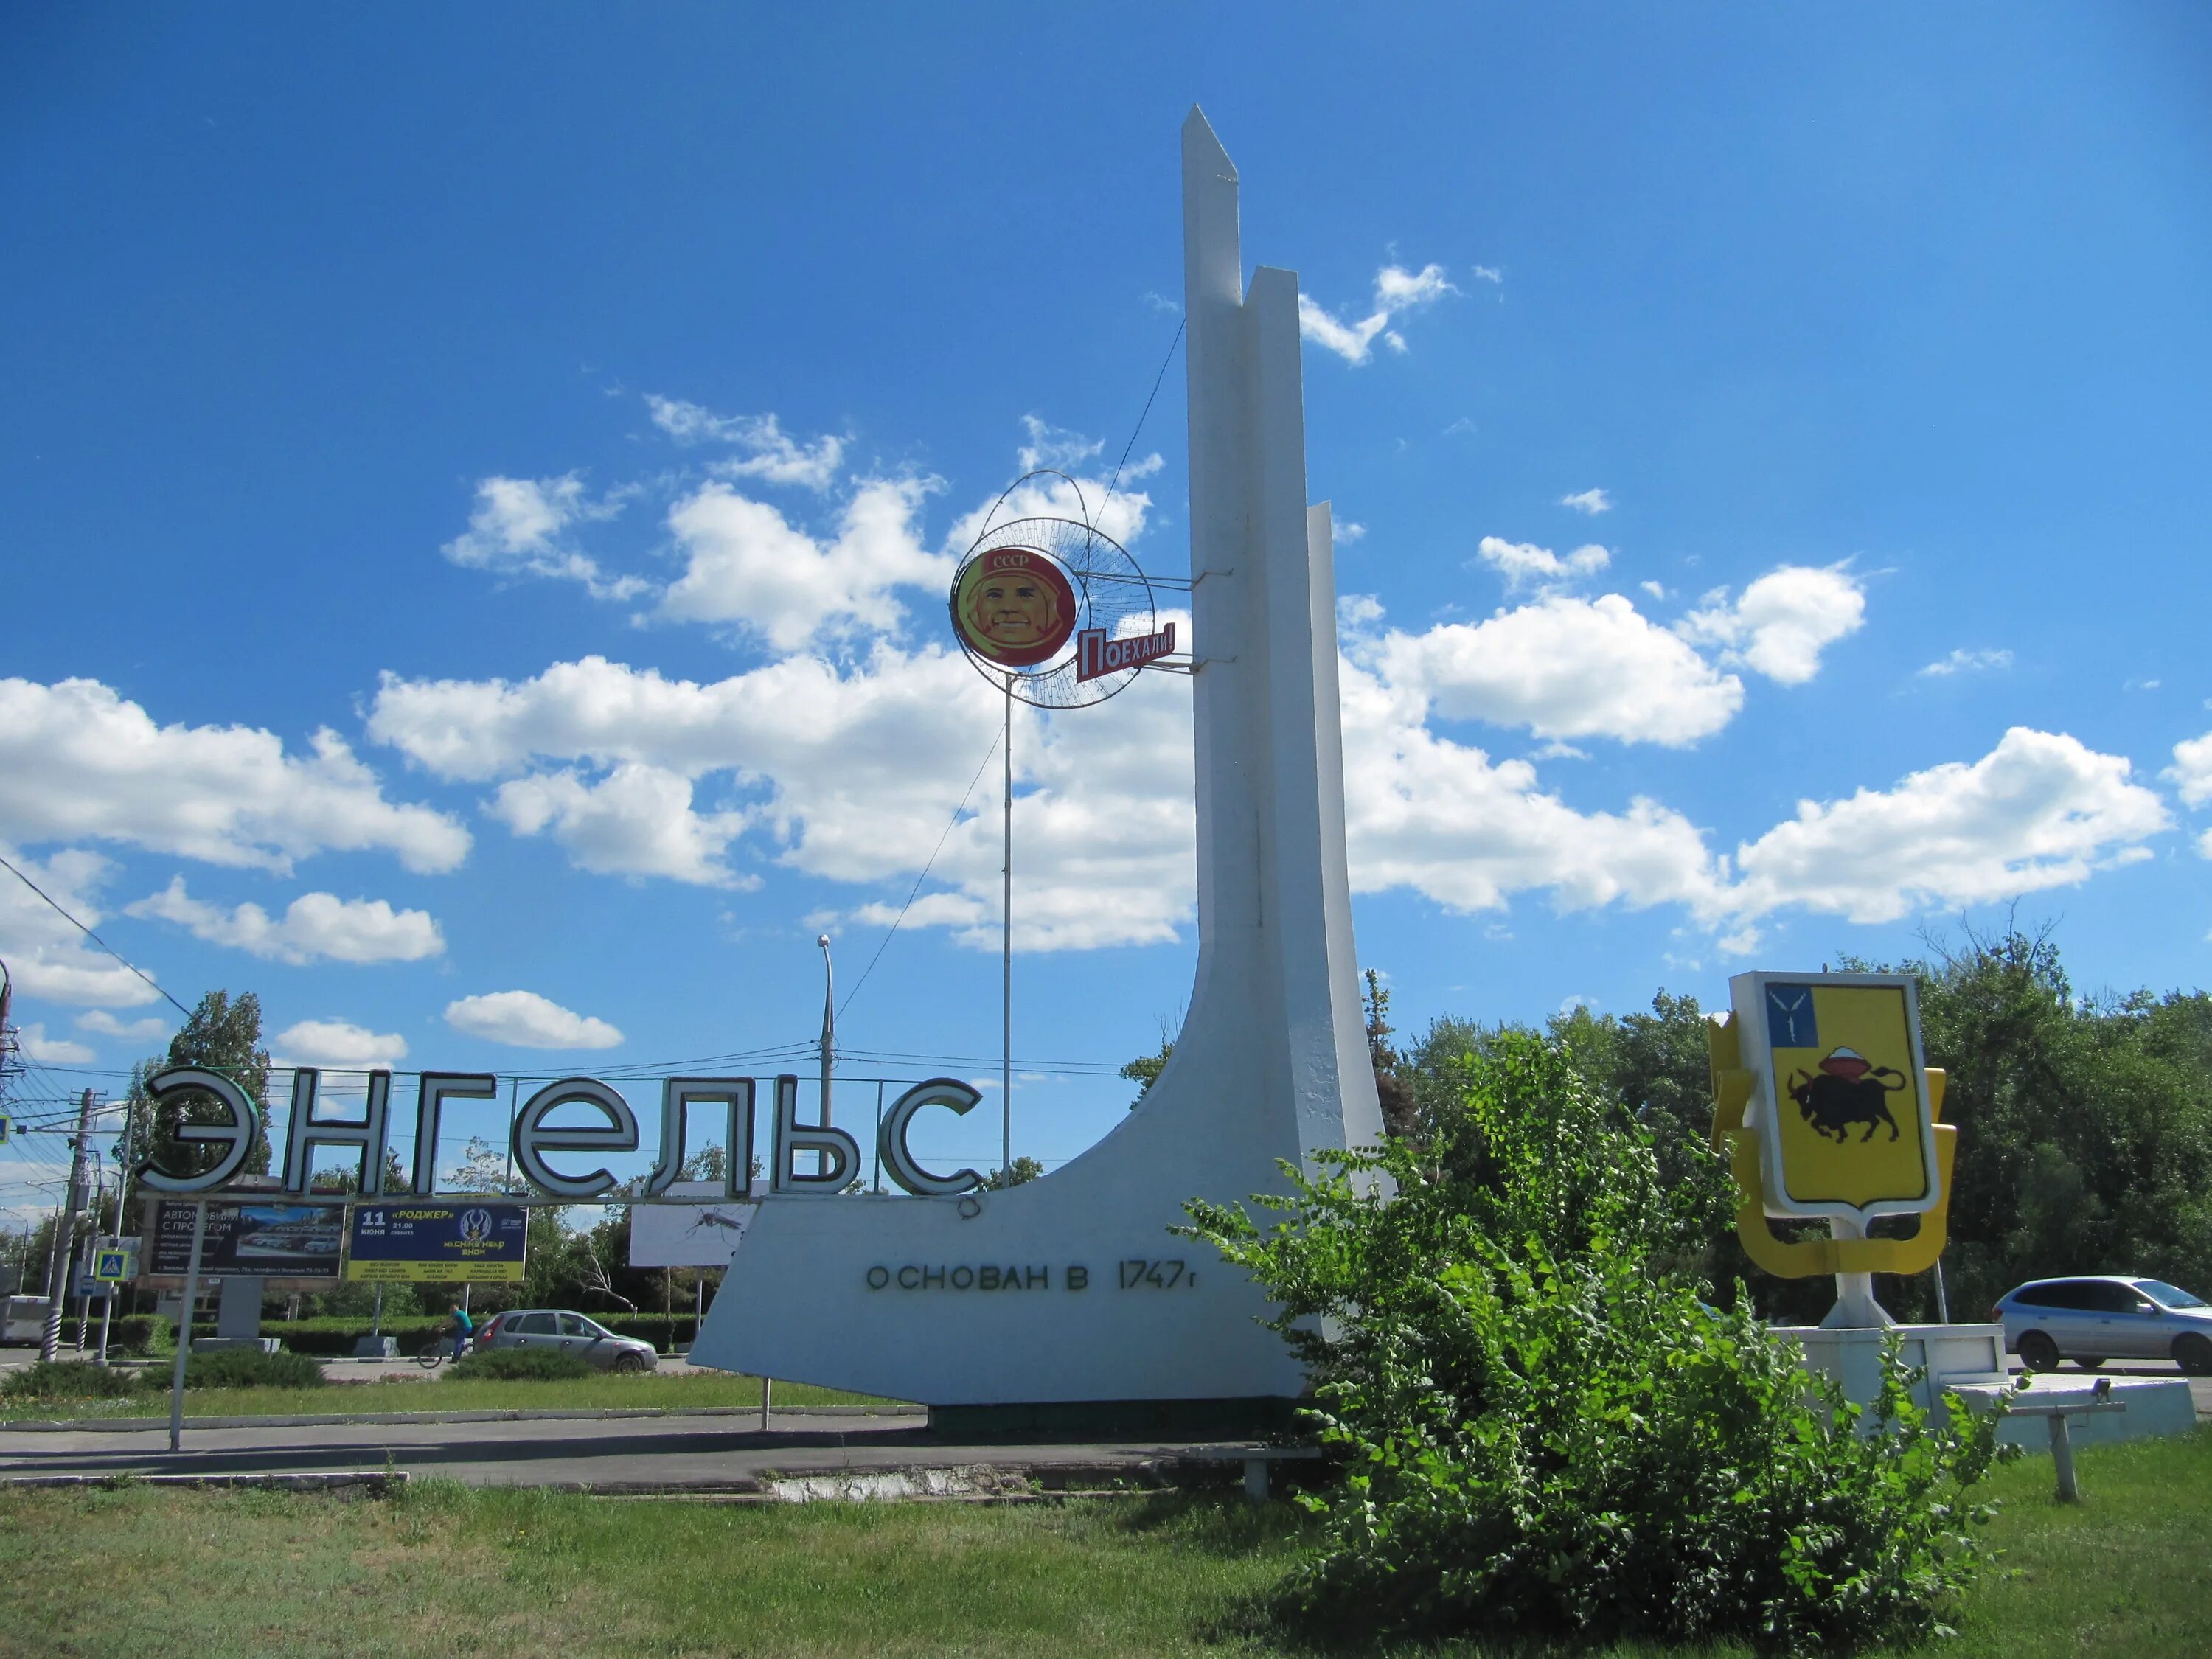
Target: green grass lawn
[[442, 1393], [443, 1570]]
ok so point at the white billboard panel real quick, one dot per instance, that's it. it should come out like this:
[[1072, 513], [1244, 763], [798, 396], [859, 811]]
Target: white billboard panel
[[703, 1235]]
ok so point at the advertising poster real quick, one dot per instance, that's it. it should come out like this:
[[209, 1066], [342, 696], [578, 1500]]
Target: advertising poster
[[467, 1242], [251, 1241], [702, 1235]]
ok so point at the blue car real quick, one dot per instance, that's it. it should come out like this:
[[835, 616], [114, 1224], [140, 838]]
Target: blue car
[[2103, 1316]]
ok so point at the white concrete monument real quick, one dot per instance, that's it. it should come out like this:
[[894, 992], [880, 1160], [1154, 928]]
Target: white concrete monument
[[1070, 1290]]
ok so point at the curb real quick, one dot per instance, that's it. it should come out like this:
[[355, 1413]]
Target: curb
[[337, 1419]]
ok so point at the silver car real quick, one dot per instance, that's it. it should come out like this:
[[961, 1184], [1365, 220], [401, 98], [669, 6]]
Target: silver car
[[563, 1332], [2091, 1319]]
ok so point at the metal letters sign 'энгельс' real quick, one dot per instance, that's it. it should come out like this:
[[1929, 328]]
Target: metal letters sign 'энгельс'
[[439, 1243]]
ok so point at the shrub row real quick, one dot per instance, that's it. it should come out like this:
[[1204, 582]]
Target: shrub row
[[334, 1338], [230, 1368], [522, 1364]]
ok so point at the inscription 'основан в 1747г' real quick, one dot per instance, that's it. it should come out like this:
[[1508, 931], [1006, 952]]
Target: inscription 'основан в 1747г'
[[1135, 1273]]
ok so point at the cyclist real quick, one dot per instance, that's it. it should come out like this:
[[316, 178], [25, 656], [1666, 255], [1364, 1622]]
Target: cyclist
[[463, 1330]]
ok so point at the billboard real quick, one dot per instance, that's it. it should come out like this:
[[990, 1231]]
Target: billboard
[[702, 1235], [471, 1243], [251, 1241]]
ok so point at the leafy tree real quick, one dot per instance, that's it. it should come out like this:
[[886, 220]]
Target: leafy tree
[[1145, 1070], [1391, 1090], [2085, 1123], [1549, 1429], [222, 1033], [1024, 1169]]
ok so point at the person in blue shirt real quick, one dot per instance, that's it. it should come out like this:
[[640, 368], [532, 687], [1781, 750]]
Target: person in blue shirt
[[463, 1330]]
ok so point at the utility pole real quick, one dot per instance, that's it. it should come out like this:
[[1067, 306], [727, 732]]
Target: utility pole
[[60, 1260], [829, 1027]]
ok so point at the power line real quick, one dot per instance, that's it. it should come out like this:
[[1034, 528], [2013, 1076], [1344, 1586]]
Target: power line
[[1147, 410], [89, 934], [925, 869]]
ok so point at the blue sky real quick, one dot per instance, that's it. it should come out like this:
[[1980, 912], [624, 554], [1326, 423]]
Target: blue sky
[[479, 491]]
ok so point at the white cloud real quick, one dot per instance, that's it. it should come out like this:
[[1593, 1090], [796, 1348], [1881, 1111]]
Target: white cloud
[[43, 1050], [519, 527], [851, 775], [47, 957], [523, 1019], [1443, 819], [101, 1022], [2192, 771], [1523, 563], [1488, 274], [1592, 502], [1566, 667], [767, 452], [1054, 446], [747, 565], [1358, 613], [1656, 590], [77, 762], [1783, 621], [1397, 291], [636, 821], [317, 926], [1963, 661], [339, 1046], [2039, 810], [1122, 518], [1342, 532]]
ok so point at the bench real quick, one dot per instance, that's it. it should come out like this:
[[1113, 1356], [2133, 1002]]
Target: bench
[[2055, 1412], [1257, 1460]]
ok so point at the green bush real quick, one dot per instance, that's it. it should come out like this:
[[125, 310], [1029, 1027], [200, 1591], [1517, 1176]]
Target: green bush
[[1548, 1430], [521, 1365], [142, 1334], [250, 1367], [68, 1379]]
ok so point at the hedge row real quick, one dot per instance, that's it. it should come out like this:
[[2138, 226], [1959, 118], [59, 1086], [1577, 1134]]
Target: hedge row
[[335, 1338]]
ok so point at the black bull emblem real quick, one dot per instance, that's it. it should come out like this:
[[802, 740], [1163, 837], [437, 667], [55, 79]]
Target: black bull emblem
[[1832, 1103]]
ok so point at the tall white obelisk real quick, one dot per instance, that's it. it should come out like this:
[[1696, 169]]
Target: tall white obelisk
[[1088, 1296]]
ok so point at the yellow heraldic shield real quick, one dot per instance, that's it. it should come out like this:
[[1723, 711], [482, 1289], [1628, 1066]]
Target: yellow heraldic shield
[[1827, 1108]]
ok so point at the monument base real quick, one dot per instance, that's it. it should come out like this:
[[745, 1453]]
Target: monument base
[[1951, 1354], [1969, 1360], [1260, 1416]]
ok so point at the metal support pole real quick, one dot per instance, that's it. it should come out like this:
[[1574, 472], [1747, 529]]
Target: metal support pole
[[59, 1263], [879, 1134], [1007, 957], [2061, 1453], [765, 1386], [828, 1032], [1942, 1301], [185, 1329]]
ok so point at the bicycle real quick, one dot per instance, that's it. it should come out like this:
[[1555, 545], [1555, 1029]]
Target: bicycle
[[436, 1352]]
